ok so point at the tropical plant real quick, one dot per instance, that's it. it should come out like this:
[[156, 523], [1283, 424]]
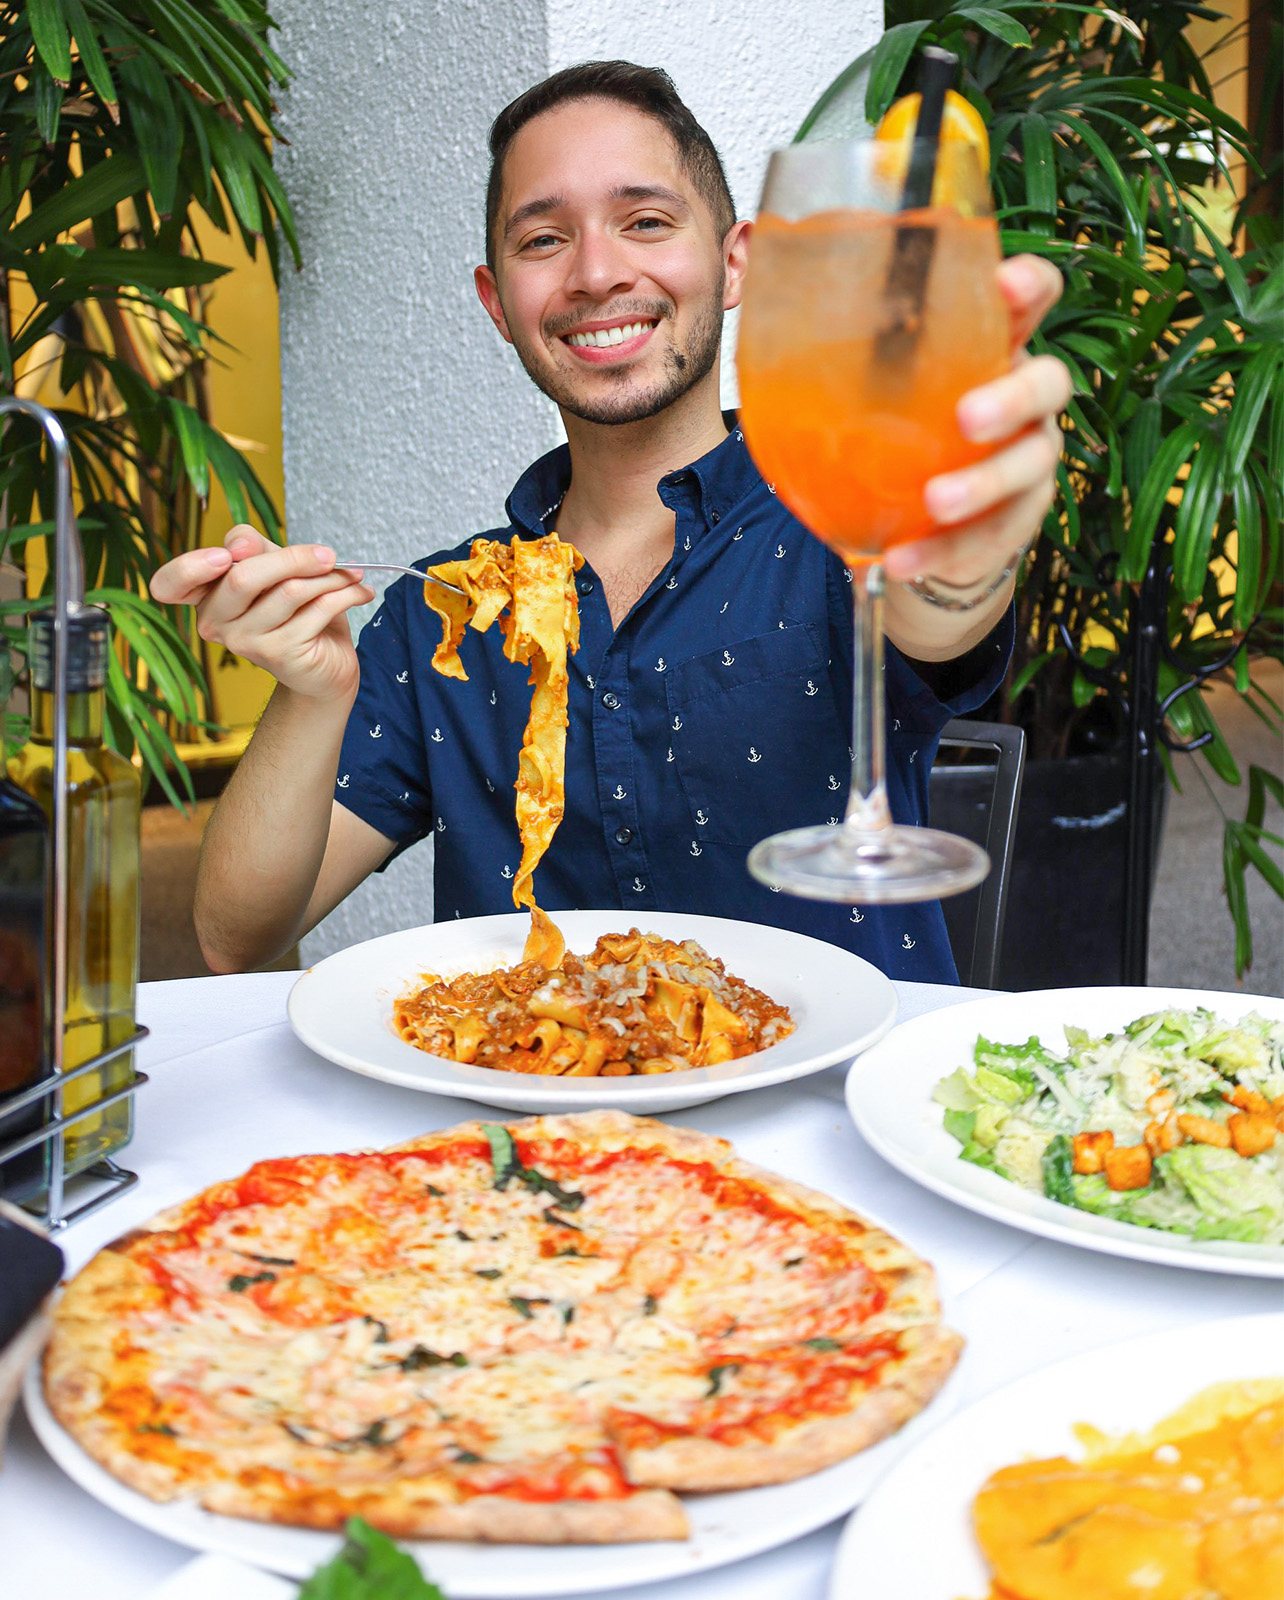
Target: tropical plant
[[122, 122], [1109, 154]]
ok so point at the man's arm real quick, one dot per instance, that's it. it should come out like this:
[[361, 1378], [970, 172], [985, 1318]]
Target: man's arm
[[278, 853], [989, 512]]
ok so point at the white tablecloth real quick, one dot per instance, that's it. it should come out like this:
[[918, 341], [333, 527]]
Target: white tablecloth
[[231, 1085]]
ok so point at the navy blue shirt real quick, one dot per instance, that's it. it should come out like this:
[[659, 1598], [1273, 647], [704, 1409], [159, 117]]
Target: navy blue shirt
[[718, 712]]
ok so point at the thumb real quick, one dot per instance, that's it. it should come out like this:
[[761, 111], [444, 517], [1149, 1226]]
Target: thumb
[[243, 540]]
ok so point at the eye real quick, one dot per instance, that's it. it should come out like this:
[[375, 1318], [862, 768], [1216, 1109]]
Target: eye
[[539, 241], [650, 224]]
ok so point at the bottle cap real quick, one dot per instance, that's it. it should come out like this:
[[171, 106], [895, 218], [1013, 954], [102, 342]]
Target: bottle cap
[[87, 633]]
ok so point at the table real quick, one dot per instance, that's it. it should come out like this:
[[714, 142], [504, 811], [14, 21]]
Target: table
[[231, 1085]]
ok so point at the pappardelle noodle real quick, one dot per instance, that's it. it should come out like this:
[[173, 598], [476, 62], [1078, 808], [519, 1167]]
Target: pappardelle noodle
[[637, 1004], [529, 588]]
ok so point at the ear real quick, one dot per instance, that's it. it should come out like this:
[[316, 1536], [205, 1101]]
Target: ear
[[488, 294], [735, 255]]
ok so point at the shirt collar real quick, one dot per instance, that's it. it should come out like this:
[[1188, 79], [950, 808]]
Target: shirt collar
[[716, 482]]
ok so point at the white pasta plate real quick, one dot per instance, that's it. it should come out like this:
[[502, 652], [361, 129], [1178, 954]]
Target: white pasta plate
[[342, 1009], [889, 1094], [1122, 1388]]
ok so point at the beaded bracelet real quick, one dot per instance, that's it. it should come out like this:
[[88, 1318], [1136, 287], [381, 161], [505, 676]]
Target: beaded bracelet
[[930, 589]]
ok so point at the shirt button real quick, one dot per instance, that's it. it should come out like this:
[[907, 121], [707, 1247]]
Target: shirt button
[[623, 835], [611, 701], [715, 516], [586, 586]]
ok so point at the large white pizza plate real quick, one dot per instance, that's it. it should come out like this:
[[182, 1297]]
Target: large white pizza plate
[[724, 1527], [342, 1008], [1121, 1388], [889, 1094]]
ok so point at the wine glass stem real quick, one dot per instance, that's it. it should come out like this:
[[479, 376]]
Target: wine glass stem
[[867, 810]]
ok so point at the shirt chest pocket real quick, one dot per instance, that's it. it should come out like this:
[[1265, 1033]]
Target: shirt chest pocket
[[757, 738]]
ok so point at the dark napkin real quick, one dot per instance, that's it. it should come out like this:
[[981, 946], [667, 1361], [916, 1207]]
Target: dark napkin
[[29, 1268]]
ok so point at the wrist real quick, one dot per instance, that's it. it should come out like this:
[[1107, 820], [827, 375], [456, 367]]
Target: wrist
[[948, 596]]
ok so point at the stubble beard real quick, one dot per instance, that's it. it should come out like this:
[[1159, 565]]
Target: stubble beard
[[683, 369]]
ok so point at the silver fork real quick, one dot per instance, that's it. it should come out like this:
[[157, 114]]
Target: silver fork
[[390, 566]]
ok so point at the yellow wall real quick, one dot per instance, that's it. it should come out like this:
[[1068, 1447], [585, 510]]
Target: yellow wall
[[245, 392]]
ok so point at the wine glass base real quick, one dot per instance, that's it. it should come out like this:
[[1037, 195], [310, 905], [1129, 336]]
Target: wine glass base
[[894, 866]]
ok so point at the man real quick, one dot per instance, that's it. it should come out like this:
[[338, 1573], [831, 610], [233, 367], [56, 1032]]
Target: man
[[709, 699]]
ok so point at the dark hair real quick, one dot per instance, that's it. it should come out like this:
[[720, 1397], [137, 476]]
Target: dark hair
[[651, 91]]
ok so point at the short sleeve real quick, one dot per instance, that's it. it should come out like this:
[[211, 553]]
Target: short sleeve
[[383, 768]]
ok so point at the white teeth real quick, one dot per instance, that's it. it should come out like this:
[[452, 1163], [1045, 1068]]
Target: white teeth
[[609, 336]]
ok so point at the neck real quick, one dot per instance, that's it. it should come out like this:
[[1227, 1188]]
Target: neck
[[612, 511]]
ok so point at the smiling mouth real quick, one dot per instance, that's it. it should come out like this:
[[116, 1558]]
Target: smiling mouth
[[604, 338]]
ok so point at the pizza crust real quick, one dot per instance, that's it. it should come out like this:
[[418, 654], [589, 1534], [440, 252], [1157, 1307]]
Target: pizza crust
[[649, 1514]]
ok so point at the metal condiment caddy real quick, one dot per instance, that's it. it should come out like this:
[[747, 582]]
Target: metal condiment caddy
[[69, 593]]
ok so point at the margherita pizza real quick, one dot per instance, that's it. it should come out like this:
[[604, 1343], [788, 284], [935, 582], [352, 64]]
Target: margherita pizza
[[531, 1332]]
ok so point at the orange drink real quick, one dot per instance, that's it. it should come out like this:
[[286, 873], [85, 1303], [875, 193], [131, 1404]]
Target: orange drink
[[849, 381]]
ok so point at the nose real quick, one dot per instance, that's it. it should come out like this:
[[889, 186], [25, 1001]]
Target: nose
[[600, 266]]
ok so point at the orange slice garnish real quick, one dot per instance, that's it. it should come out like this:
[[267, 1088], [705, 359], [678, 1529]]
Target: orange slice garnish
[[961, 126]]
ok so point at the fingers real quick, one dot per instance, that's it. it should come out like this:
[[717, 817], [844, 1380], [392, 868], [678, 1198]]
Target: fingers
[[1037, 389], [1031, 286], [253, 573], [1028, 461], [186, 579], [980, 549], [279, 604], [311, 620]]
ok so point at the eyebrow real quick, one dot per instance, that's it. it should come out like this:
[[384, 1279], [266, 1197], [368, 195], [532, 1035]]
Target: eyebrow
[[622, 191]]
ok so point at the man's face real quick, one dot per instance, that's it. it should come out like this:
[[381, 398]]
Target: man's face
[[610, 281]]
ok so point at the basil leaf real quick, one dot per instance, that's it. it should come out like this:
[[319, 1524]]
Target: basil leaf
[[488, 1272], [242, 1281], [369, 1567], [269, 1261], [823, 1344], [421, 1356], [522, 1305], [715, 1375], [503, 1154]]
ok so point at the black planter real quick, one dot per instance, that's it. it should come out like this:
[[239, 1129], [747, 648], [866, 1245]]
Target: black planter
[[1065, 906], [1065, 909]]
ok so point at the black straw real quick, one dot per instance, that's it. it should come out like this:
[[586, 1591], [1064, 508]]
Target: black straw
[[912, 253], [936, 71]]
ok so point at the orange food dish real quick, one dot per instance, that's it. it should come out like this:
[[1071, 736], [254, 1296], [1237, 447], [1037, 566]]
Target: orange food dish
[[1193, 1510], [636, 1004]]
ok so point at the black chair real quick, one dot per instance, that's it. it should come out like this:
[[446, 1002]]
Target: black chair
[[979, 799]]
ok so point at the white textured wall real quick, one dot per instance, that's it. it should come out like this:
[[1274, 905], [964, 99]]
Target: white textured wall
[[406, 418]]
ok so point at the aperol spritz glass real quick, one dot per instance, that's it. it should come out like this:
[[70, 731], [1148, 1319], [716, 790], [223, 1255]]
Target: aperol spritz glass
[[862, 325]]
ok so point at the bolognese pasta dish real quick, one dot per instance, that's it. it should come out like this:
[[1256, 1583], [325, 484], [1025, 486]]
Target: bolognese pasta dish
[[637, 1003]]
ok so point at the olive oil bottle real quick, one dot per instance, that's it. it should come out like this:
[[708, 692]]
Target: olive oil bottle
[[103, 803], [26, 1039]]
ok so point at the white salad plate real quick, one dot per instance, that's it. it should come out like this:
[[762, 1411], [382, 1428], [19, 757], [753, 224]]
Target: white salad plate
[[889, 1094], [342, 1008], [1122, 1388], [724, 1527]]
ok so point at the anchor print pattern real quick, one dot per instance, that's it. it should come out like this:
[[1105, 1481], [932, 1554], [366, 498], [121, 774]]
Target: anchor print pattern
[[619, 792], [403, 677], [377, 731], [857, 915], [907, 943], [695, 849], [343, 782], [437, 736], [754, 755], [811, 689]]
